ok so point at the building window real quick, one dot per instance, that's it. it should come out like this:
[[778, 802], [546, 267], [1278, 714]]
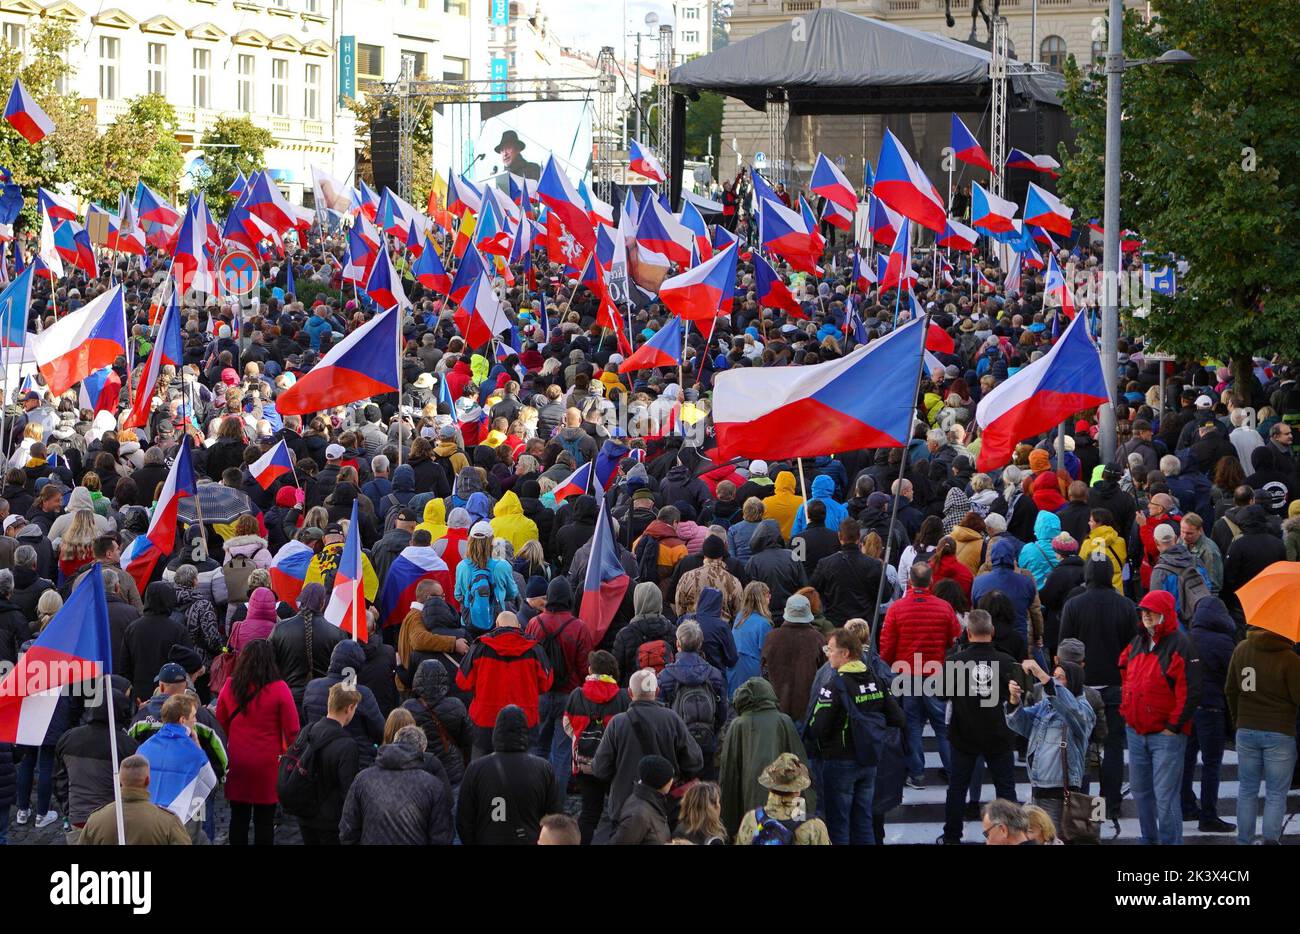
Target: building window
[[280, 87], [311, 92], [311, 6], [246, 68], [690, 36], [456, 7], [109, 49], [512, 59], [455, 69], [416, 63], [370, 61], [157, 59], [513, 32], [202, 76], [15, 35], [690, 13], [1052, 53]]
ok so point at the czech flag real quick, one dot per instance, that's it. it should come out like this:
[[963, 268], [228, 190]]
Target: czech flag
[[606, 464], [362, 365], [663, 349], [347, 606], [572, 235], [463, 195], [142, 555], [786, 233], [808, 411], [167, 349], [26, 116], [1067, 379], [289, 570], [100, 391], [770, 291], [59, 207], [190, 262], [600, 213], [990, 213], [181, 777], [397, 593], [272, 465], [1046, 211], [883, 221], [237, 187], [863, 275], [81, 342], [15, 301], [263, 199], [643, 162], [1019, 159], [837, 216], [662, 233], [1057, 289], [384, 285], [606, 581], [697, 293], [1011, 283], [936, 338], [361, 255], [958, 236], [574, 484], [966, 148], [74, 647], [480, 317], [983, 282], [154, 209], [693, 221], [902, 185], [829, 182], [73, 244], [899, 264], [469, 270], [430, 272]]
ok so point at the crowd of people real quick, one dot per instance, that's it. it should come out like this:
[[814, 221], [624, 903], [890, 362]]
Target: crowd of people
[[766, 679]]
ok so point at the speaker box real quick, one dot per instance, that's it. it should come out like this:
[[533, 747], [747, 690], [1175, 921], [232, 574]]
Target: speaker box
[[385, 148]]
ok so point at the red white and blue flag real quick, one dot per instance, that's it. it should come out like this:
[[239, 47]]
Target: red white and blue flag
[[642, 161], [100, 391], [1019, 159], [1065, 380], [384, 284], [15, 301], [26, 116], [81, 342], [898, 268], [863, 276], [167, 349], [809, 411], [480, 317], [347, 606], [289, 570], [58, 207], [1056, 290], [990, 213], [413, 565], [142, 555], [362, 365], [430, 272], [770, 291], [966, 148], [606, 581], [153, 208], [832, 184], [693, 221], [575, 484], [902, 185], [697, 294], [837, 216], [958, 236], [570, 233], [272, 465], [1045, 210], [660, 232], [663, 349], [75, 646]]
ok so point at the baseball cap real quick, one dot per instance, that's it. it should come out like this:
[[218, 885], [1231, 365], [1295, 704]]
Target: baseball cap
[[481, 529], [447, 432], [408, 515], [758, 468], [11, 521], [1204, 402], [170, 673], [334, 452], [31, 396], [333, 529]]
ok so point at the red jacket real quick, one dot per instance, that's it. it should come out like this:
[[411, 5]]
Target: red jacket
[[1162, 677], [504, 667], [255, 738], [459, 377], [1047, 491], [918, 624], [1150, 553], [950, 568], [718, 474], [575, 643]]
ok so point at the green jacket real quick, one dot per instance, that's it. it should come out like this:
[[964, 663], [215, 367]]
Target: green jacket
[[1263, 686], [759, 733]]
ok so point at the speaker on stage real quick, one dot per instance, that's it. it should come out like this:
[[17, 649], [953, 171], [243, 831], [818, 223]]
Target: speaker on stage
[[385, 148]]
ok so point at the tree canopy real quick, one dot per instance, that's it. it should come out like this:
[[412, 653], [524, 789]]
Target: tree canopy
[[230, 146]]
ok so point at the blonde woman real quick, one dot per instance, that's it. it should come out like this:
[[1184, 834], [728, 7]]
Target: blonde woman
[[76, 544], [700, 817], [1041, 828], [49, 603], [753, 623]]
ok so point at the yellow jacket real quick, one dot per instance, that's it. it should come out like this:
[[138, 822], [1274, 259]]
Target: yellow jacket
[[784, 504], [510, 523], [1105, 538], [435, 519]]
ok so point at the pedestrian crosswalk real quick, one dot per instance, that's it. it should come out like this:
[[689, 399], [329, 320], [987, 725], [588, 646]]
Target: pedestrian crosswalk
[[919, 820]]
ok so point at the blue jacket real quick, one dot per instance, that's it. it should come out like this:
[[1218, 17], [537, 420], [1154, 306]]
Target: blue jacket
[[719, 646], [316, 328], [1004, 577], [1215, 635], [1037, 557], [690, 668], [823, 487], [1192, 490], [738, 537], [1059, 714], [749, 636]]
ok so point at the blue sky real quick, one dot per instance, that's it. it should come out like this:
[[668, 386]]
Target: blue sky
[[589, 24]]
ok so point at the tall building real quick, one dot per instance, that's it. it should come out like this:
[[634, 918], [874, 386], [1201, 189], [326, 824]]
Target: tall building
[[285, 64], [693, 34], [1045, 31]]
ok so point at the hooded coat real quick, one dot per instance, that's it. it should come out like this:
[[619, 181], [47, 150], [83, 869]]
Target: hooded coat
[[1037, 557], [367, 726], [1214, 633], [148, 641], [759, 733], [774, 565], [822, 489], [510, 523], [397, 802], [648, 625], [525, 784], [1003, 576], [1162, 673], [783, 505], [443, 718]]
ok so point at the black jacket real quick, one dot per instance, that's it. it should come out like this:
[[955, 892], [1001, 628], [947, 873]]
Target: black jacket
[[148, 641], [774, 565], [367, 726], [378, 674], [1061, 584], [828, 729], [1074, 519], [289, 642], [1254, 550], [848, 583], [14, 630], [813, 544], [1103, 620], [336, 767], [1214, 633], [576, 532], [978, 675], [621, 749], [638, 632], [83, 764], [28, 587], [525, 784], [1106, 494], [445, 721], [398, 802], [644, 818]]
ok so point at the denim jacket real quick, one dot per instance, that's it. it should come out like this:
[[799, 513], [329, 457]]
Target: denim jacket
[[1044, 723]]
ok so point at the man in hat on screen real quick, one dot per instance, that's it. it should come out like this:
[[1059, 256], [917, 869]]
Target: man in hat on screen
[[510, 149]]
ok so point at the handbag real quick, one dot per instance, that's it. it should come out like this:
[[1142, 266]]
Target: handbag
[[220, 669], [1080, 813]]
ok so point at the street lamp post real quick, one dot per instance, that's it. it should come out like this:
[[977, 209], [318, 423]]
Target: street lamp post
[[1110, 263]]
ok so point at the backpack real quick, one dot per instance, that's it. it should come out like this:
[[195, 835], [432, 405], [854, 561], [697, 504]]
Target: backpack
[[481, 605], [1193, 587], [869, 729], [236, 574], [774, 832], [298, 783], [697, 705], [647, 558], [586, 743], [574, 447], [654, 654], [553, 649]]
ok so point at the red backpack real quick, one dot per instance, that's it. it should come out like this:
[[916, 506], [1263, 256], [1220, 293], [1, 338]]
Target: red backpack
[[654, 654]]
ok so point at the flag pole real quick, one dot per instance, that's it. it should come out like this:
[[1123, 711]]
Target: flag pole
[[897, 493], [401, 426], [686, 330], [803, 485], [107, 680]]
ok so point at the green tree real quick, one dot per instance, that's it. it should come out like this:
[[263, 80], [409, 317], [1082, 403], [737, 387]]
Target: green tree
[[66, 156], [1208, 171], [140, 145], [704, 123], [231, 145]]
